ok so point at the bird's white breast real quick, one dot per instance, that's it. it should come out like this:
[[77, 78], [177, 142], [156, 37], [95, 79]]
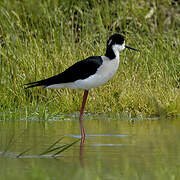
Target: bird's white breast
[[102, 75], [105, 72]]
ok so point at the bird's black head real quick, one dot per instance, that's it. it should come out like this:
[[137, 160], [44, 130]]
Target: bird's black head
[[116, 43], [115, 39]]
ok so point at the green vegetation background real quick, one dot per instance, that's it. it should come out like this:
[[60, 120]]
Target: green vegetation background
[[42, 38]]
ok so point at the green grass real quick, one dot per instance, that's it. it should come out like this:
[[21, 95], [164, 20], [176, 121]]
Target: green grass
[[42, 38]]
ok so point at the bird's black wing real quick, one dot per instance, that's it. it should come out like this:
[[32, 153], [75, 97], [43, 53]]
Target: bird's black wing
[[80, 70]]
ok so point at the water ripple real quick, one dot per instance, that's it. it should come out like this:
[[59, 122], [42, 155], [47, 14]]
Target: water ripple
[[99, 135], [107, 144]]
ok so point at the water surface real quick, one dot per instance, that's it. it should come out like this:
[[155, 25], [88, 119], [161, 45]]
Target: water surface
[[114, 149]]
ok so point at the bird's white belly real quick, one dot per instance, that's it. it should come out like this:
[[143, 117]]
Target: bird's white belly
[[105, 72]]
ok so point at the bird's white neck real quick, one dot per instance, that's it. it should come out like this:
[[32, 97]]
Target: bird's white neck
[[116, 51], [112, 52]]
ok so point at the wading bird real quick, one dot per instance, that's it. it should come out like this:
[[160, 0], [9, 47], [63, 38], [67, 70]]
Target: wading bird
[[88, 73]]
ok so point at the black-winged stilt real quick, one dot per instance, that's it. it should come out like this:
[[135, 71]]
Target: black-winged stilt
[[88, 73]]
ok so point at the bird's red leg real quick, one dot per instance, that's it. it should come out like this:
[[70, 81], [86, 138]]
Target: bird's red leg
[[81, 115]]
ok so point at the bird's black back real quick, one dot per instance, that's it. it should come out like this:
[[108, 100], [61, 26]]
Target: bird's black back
[[80, 70]]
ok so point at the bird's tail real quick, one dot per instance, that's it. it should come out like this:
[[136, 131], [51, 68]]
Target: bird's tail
[[34, 84]]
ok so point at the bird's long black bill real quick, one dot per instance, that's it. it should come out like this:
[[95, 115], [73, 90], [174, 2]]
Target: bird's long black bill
[[132, 48]]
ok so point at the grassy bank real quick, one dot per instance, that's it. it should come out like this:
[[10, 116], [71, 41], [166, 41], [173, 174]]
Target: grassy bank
[[42, 38]]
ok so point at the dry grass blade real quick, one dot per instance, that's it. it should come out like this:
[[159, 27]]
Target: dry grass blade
[[25, 151], [49, 149], [54, 149], [66, 147], [11, 142]]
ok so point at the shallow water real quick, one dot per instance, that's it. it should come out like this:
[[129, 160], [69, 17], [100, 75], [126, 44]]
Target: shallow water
[[113, 149]]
